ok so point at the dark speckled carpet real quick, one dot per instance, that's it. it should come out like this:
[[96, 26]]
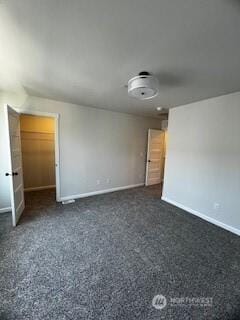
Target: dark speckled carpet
[[106, 257]]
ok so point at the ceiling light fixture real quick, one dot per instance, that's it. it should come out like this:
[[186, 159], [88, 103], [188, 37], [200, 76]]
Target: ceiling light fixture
[[143, 87], [159, 108]]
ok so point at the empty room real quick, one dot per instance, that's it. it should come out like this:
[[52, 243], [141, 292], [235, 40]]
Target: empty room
[[119, 160]]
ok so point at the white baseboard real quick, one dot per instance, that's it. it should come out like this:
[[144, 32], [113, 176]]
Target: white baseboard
[[93, 193], [39, 188], [7, 209], [203, 216]]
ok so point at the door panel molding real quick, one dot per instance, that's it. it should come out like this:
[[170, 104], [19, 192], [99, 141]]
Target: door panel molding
[[15, 171]]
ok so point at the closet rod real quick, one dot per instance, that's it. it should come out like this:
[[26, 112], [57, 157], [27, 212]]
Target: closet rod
[[36, 139], [24, 131]]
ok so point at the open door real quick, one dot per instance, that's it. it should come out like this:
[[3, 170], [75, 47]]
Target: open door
[[15, 164], [155, 157]]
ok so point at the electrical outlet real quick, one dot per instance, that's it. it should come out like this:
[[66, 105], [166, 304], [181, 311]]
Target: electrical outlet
[[108, 180], [98, 182], [216, 206]]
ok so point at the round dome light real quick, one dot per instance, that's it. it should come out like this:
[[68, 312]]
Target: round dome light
[[143, 87]]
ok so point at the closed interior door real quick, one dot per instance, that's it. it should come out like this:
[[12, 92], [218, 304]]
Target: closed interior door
[[155, 157], [15, 173]]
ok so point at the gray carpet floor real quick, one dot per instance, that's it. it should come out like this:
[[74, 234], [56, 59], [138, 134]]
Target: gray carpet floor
[[106, 257]]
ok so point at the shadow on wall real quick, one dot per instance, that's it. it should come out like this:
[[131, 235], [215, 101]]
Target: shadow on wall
[[235, 3]]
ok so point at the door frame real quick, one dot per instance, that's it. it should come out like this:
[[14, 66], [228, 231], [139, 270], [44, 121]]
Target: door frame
[[56, 117]]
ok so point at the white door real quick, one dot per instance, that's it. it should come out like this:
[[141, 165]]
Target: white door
[[15, 174], [155, 157]]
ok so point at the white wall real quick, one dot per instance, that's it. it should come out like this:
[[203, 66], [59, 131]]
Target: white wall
[[203, 159], [95, 145]]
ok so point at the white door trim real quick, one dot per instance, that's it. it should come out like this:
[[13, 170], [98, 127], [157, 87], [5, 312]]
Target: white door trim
[[56, 117]]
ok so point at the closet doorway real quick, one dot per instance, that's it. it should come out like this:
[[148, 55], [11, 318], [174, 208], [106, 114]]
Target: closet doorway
[[39, 147], [155, 157], [37, 133]]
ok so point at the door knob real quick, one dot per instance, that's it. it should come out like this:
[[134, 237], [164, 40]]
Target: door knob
[[149, 160], [11, 174]]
